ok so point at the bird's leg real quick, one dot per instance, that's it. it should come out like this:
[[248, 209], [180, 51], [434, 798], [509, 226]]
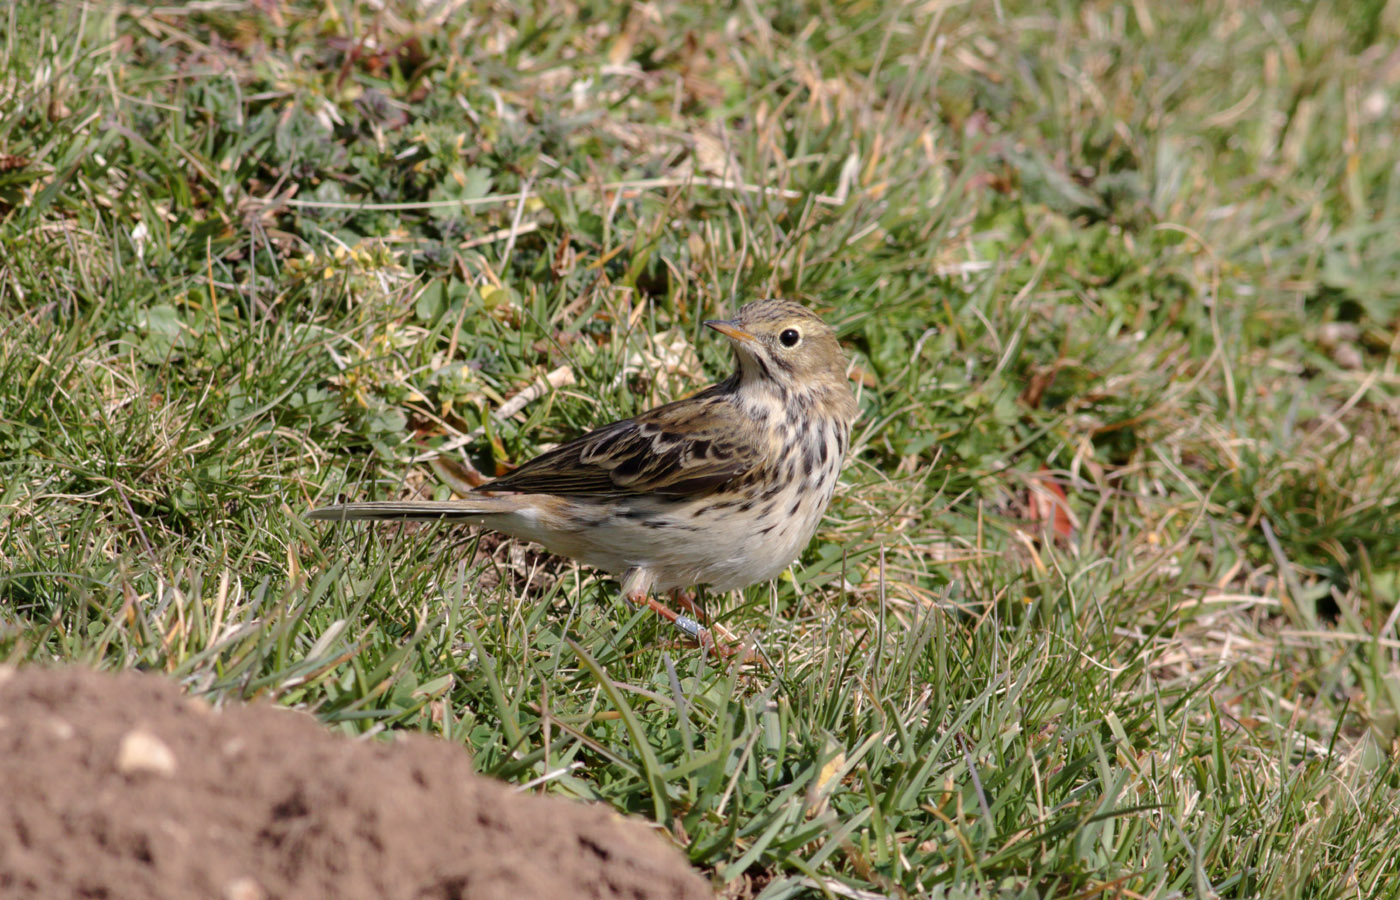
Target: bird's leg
[[636, 589], [686, 601]]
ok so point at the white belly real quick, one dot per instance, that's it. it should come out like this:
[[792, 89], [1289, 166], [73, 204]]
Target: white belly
[[688, 542]]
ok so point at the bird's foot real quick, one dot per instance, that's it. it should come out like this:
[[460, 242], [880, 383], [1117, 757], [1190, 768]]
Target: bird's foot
[[691, 627], [685, 600]]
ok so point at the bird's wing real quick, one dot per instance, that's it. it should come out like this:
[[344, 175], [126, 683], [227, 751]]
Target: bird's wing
[[680, 449]]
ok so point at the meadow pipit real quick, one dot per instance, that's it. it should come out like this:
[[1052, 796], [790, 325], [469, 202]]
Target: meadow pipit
[[724, 488]]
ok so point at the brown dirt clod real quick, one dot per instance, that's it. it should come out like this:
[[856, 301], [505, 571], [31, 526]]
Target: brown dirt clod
[[119, 786]]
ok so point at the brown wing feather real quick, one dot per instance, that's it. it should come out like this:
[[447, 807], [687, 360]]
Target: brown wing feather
[[680, 449]]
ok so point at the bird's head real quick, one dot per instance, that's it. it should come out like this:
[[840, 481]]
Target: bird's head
[[782, 345]]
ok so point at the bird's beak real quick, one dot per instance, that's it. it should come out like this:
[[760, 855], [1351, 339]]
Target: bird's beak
[[731, 331]]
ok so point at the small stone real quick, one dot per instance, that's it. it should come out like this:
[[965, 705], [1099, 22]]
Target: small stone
[[1330, 334], [244, 888], [1348, 356], [142, 751]]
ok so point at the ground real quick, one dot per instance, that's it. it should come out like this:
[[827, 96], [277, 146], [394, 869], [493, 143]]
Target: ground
[[121, 786]]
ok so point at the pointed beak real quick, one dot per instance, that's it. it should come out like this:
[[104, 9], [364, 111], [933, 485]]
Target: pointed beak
[[731, 331]]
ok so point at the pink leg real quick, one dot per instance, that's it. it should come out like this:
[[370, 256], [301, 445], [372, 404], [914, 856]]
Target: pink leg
[[686, 600], [728, 643], [636, 589]]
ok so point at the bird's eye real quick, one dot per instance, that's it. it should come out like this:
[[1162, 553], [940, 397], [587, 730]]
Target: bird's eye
[[789, 337]]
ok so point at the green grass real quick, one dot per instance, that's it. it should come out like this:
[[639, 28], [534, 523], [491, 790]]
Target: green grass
[[253, 260]]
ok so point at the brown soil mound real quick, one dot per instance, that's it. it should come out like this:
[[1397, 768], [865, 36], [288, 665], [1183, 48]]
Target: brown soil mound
[[115, 786]]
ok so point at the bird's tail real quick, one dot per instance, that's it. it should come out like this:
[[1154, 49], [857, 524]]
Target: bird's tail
[[469, 511]]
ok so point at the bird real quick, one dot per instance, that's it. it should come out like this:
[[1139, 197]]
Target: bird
[[723, 488]]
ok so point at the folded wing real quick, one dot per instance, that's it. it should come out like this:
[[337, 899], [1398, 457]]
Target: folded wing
[[665, 451]]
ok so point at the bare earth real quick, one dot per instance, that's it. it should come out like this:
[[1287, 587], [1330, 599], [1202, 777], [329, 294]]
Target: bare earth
[[117, 786]]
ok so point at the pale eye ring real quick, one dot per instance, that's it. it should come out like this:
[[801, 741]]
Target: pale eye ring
[[789, 337]]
